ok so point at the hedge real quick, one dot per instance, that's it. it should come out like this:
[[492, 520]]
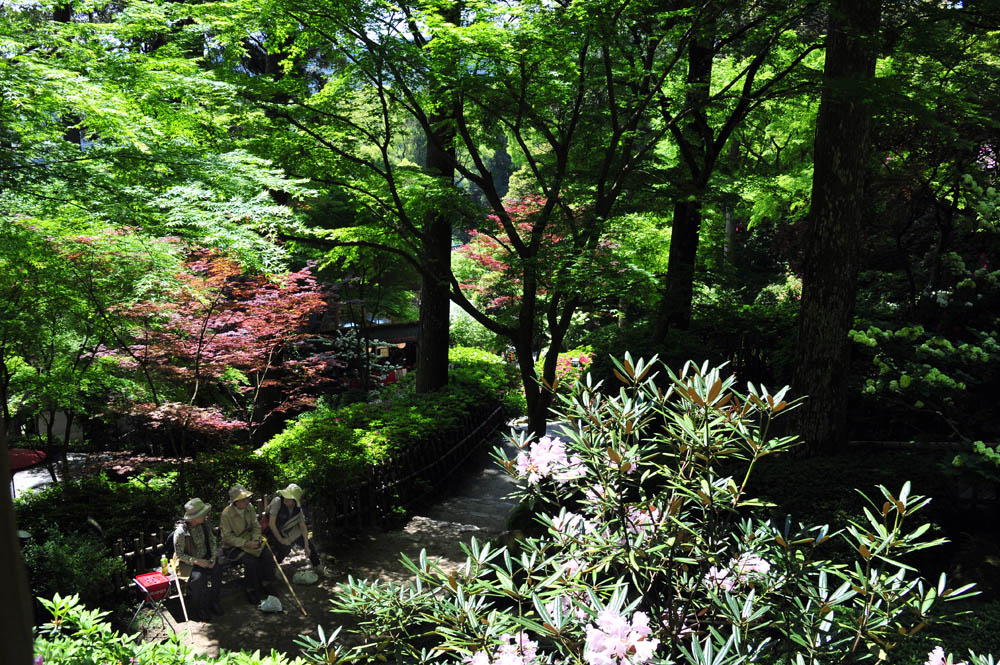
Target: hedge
[[333, 446]]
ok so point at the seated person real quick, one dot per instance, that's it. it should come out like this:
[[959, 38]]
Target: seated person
[[241, 540], [196, 553], [287, 524]]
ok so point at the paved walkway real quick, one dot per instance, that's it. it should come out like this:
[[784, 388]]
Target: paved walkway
[[478, 507], [38, 477]]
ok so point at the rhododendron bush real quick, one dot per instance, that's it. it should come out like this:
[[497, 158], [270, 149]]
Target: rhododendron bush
[[651, 549]]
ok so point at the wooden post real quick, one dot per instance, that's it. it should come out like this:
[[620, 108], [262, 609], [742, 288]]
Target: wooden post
[[118, 579]]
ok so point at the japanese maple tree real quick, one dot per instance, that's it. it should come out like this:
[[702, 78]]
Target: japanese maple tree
[[224, 351], [495, 281]]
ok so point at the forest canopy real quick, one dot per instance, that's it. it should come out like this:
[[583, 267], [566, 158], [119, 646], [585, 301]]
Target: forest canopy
[[208, 209]]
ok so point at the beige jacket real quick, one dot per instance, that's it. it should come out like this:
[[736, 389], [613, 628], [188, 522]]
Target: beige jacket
[[240, 527]]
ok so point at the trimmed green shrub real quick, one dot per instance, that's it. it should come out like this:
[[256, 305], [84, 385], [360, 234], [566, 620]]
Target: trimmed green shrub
[[213, 473], [486, 376], [330, 447], [69, 563], [145, 502], [120, 509]]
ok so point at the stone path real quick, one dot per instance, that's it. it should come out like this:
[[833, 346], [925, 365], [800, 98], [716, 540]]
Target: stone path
[[38, 477], [477, 507]]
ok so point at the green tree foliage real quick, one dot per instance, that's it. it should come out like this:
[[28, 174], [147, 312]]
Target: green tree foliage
[[350, 82], [114, 137], [143, 137], [925, 336], [64, 297], [741, 57]]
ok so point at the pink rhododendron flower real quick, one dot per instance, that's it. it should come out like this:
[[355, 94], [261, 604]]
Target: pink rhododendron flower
[[595, 493], [937, 657], [478, 658], [987, 158], [546, 458], [739, 571], [513, 650], [568, 606], [574, 470], [568, 523], [642, 520], [720, 578], [572, 566], [617, 641], [751, 563]]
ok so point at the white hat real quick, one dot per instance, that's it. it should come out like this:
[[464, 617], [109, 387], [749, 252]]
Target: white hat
[[293, 491]]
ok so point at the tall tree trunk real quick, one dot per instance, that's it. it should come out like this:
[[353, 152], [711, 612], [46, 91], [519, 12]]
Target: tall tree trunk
[[833, 231], [15, 611], [697, 143], [675, 304], [538, 399], [435, 287]]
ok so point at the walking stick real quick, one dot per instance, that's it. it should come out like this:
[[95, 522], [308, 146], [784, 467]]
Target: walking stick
[[305, 537], [280, 570], [177, 582]]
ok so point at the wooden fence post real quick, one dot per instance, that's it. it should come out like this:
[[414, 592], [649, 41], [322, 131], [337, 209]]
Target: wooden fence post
[[139, 561], [118, 578]]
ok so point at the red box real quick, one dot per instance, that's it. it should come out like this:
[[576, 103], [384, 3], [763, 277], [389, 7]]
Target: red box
[[155, 585]]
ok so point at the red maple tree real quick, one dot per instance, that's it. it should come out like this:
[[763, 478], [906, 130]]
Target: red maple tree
[[223, 352], [560, 265]]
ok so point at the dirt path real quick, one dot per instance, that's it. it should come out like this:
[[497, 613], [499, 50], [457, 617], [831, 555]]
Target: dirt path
[[477, 507]]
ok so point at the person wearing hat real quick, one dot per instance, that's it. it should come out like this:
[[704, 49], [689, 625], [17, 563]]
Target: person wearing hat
[[287, 524], [195, 550], [241, 539]]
